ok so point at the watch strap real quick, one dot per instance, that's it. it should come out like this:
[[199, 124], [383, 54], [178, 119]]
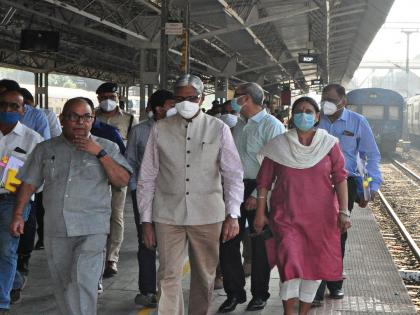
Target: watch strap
[[101, 154]]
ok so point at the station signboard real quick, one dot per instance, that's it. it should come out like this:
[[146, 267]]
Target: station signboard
[[317, 82], [308, 58], [174, 28]]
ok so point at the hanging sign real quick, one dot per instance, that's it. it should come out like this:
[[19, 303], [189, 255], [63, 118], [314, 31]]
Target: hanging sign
[[308, 58], [174, 28]]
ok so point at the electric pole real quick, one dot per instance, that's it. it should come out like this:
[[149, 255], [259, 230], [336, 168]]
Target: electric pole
[[407, 58]]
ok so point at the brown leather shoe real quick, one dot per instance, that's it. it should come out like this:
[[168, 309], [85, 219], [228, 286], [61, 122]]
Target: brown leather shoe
[[111, 269]]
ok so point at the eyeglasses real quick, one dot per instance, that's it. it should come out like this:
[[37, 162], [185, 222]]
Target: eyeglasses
[[193, 98], [75, 117], [13, 106], [238, 95]]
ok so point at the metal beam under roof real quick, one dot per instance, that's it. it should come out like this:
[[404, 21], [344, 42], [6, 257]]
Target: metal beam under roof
[[262, 39]]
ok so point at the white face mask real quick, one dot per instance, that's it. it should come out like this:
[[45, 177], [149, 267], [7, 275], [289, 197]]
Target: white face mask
[[229, 119], [329, 108], [108, 105], [187, 109], [150, 114], [171, 112]]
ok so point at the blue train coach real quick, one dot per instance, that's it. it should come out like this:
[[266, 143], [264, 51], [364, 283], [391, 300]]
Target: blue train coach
[[383, 109]]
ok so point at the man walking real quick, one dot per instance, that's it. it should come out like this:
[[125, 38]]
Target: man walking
[[254, 129], [180, 190], [73, 167], [356, 139], [161, 105], [110, 113], [16, 141]]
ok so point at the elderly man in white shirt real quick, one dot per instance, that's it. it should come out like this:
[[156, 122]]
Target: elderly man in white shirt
[[17, 141]]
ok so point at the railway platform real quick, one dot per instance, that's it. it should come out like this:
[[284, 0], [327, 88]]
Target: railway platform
[[373, 285]]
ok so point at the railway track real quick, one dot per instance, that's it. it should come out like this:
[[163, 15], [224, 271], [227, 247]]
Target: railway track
[[400, 201], [411, 240]]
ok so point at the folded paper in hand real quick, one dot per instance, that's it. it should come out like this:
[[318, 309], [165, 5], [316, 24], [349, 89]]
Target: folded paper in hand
[[12, 167]]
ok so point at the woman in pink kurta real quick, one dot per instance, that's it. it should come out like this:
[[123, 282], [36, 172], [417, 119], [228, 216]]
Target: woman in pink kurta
[[307, 169]]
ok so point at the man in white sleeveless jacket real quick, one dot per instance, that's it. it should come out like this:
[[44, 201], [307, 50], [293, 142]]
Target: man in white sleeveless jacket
[[180, 192]]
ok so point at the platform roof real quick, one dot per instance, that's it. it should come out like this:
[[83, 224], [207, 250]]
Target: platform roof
[[243, 40]]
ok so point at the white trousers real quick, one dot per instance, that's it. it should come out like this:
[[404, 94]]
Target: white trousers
[[305, 290]]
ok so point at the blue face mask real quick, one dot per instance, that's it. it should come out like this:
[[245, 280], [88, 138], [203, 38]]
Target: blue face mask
[[9, 118], [235, 106], [304, 121]]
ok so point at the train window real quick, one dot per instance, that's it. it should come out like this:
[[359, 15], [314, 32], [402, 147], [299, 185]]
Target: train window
[[373, 112], [394, 112], [353, 108]]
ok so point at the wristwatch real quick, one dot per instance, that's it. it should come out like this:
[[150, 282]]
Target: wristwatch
[[233, 216], [101, 154], [345, 212]]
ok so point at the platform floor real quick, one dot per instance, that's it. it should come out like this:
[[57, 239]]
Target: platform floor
[[373, 285]]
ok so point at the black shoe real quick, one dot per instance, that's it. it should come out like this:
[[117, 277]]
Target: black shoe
[[317, 302], [111, 269], [230, 304], [23, 264], [146, 300], [39, 245], [15, 296], [256, 304], [337, 294]]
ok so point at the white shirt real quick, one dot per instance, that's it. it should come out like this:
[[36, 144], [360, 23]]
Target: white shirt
[[20, 137], [53, 122]]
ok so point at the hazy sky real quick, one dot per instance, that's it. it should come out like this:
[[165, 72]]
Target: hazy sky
[[390, 42]]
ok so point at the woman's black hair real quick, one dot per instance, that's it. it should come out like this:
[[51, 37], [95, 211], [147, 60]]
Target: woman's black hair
[[306, 99]]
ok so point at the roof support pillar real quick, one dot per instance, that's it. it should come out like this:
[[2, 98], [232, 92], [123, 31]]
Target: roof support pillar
[[142, 109], [221, 85], [41, 89], [123, 92], [163, 60]]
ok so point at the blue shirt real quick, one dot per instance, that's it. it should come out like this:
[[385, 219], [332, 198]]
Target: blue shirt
[[36, 119], [251, 135], [136, 145], [103, 130], [356, 138]]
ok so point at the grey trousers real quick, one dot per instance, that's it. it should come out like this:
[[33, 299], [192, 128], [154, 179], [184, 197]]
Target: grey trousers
[[75, 264]]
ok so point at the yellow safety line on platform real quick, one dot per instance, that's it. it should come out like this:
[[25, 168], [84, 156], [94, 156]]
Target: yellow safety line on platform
[[146, 311], [149, 311]]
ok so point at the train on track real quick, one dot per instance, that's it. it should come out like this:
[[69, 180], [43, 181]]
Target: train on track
[[413, 119], [383, 109]]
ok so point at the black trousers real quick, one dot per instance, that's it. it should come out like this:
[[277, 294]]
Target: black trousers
[[231, 263], [40, 211], [146, 258], [336, 285], [26, 241]]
